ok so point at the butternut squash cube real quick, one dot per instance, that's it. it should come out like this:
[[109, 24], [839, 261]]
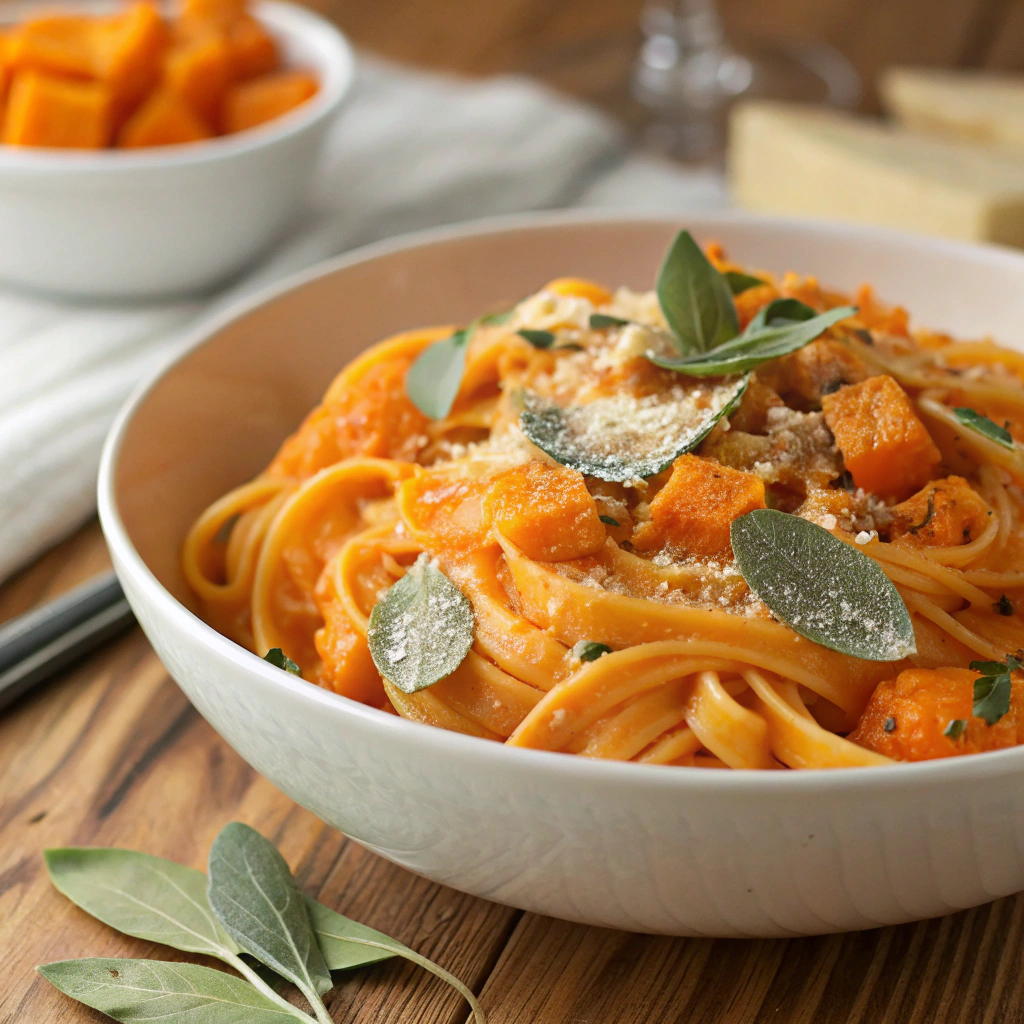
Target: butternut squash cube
[[262, 99], [54, 112], [546, 511], [693, 512], [804, 377], [252, 49], [945, 513], [59, 44], [163, 120], [129, 51], [198, 73], [885, 446], [220, 13], [907, 717]]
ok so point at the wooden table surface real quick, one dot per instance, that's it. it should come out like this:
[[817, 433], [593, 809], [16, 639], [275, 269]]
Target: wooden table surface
[[112, 754]]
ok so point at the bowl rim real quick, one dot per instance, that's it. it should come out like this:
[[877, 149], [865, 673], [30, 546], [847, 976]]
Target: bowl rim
[[337, 70], [470, 749]]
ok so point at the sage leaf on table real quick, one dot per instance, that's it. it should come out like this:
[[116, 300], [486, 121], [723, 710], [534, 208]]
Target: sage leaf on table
[[695, 298], [421, 630], [347, 944], [739, 282], [433, 381], [821, 588], [983, 425], [754, 347], [144, 896], [172, 993], [623, 439], [254, 896]]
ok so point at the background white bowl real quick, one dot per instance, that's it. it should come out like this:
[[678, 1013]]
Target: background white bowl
[[674, 850], [173, 219]]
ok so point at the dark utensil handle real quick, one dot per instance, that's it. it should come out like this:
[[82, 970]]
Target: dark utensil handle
[[40, 642]]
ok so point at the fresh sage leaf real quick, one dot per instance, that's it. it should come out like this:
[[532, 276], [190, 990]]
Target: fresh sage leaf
[[695, 298], [148, 897], [171, 993], [421, 630], [538, 339], [993, 688], [739, 283], [752, 348], [955, 728], [820, 587], [623, 439], [983, 425], [279, 659], [433, 381], [599, 321], [256, 900], [347, 944], [779, 313], [590, 650]]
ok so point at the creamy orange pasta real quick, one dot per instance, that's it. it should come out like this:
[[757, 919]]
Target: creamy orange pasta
[[572, 476]]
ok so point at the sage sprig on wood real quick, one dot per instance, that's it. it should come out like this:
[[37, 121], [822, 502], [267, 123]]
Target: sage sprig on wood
[[820, 587], [161, 901], [421, 630]]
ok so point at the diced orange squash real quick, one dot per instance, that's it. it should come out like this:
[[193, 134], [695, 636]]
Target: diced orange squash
[[581, 288], [692, 514], [198, 72], [59, 44], [262, 99], [906, 717], [129, 49], [163, 120], [546, 511], [885, 446], [253, 50], [221, 13], [47, 111], [444, 511], [815, 370], [944, 513]]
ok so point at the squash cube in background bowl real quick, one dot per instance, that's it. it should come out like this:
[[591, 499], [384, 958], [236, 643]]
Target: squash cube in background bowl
[[128, 51], [163, 120], [60, 44], [47, 111], [198, 72], [216, 13], [253, 49], [255, 102]]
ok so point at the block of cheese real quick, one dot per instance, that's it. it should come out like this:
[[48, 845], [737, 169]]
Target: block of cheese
[[786, 158], [968, 105]]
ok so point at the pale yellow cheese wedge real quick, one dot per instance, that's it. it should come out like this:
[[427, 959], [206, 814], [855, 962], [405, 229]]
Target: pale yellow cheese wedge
[[967, 105], [785, 158]]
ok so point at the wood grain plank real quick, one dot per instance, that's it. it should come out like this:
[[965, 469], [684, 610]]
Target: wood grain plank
[[955, 969]]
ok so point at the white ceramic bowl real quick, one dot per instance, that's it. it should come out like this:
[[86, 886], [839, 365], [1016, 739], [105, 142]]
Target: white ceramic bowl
[[173, 219], [674, 850]]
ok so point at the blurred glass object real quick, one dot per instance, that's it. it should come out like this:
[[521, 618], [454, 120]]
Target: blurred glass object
[[674, 91]]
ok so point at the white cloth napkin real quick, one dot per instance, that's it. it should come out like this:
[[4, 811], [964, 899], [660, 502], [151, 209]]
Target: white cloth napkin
[[411, 150]]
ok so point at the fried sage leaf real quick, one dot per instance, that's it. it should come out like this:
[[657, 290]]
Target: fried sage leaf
[[983, 425], [780, 312], [752, 348], [695, 298], [820, 587], [421, 630], [172, 993], [739, 283], [621, 438], [433, 381], [254, 896]]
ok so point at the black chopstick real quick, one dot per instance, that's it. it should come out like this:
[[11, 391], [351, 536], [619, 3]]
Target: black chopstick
[[41, 642]]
